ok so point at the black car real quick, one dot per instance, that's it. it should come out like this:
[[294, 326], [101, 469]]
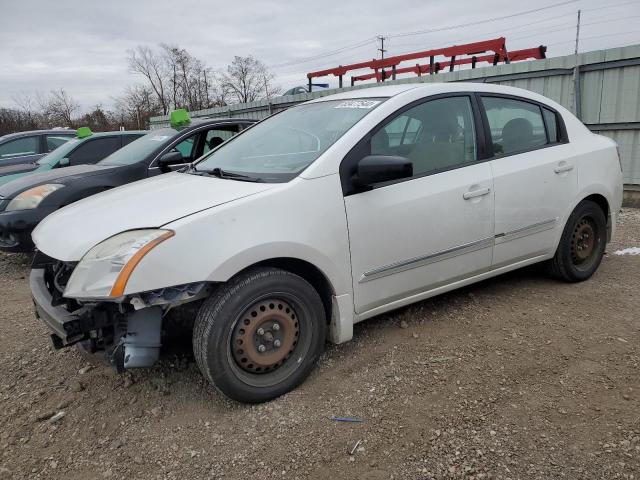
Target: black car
[[27, 147], [26, 201]]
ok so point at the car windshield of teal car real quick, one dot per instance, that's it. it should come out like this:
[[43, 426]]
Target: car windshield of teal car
[[140, 148], [52, 159]]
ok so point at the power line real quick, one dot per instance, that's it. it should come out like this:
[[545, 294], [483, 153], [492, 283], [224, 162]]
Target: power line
[[596, 36], [361, 44], [478, 22], [609, 6]]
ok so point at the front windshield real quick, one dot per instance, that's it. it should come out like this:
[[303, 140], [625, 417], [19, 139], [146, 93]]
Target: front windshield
[[279, 148], [140, 148], [54, 157]]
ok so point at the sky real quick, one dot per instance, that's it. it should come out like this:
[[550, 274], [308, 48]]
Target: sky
[[81, 45]]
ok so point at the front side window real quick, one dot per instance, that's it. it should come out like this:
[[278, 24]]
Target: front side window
[[282, 146], [435, 135], [515, 125], [94, 150], [186, 148], [19, 147], [217, 136]]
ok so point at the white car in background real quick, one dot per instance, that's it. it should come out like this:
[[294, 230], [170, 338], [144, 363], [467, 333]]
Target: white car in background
[[322, 216]]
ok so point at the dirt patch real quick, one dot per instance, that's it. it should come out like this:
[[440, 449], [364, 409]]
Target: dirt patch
[[517, 377]]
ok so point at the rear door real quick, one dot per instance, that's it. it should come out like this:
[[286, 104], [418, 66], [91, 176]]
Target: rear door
[[534, 176]]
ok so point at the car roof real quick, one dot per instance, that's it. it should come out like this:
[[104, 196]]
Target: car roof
[[59, 131], [212, 120], [389, 91], [117, 132]]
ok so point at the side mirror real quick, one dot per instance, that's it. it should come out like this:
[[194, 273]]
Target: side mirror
[[374, 169], [64, 162], [170, 158]]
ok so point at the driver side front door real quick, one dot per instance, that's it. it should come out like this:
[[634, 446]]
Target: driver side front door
[[410, 237]]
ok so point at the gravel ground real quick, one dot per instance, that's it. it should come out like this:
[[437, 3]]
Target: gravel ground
[[516, 377]]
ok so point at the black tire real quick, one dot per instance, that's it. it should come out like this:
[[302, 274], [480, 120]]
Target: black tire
[[582, 244], [235, 313]]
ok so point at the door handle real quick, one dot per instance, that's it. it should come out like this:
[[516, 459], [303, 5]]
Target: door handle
[[567, 167], [476, 193]]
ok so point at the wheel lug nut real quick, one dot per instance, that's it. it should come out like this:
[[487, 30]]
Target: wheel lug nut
[[262, 348], [276, 343], [276, 327], [260, 331]]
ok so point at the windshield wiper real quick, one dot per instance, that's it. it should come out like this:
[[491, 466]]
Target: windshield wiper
[[220, 173]]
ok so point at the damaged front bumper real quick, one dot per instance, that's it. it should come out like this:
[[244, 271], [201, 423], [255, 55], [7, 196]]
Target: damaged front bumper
[[129, 332], [130, 339], [67, 327]]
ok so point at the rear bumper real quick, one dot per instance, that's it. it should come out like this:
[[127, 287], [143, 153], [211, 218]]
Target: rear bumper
[[66, 328], [16, 228]]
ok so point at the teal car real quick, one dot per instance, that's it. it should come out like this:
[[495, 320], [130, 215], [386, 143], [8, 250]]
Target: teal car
[[85, 148]]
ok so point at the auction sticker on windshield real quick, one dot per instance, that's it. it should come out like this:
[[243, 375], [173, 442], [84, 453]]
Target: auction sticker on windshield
[[358, 104]]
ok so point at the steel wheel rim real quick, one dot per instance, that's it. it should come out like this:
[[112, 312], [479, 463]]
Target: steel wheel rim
[[266, 336], [585, 243], [291, 361]]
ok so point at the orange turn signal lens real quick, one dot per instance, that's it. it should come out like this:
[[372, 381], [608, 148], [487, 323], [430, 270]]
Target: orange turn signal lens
[[123, 277]]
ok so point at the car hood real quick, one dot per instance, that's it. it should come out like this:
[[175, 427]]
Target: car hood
[[57, 175], [19, 168], [70, 232]]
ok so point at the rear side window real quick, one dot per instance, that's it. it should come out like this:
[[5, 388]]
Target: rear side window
[[94, 150], [54, 141], [19, 147], [515, 125]]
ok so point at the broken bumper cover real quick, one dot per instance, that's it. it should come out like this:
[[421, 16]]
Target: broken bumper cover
[[67, 328]]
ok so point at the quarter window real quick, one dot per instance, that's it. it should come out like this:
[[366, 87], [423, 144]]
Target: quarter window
[[515, 125], [436, 135], [19, 147], [552, 125], [54, 141]]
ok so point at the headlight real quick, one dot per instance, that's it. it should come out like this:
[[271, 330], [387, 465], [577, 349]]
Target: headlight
[[31, 198], [105, 269]]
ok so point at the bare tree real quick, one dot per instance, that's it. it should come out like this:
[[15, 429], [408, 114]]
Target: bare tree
[[247, 79], [136, 106], [58, 108], [152, 67]]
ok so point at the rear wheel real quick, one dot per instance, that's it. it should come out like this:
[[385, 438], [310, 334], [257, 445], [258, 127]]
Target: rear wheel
[[260, 335], [582, 244]]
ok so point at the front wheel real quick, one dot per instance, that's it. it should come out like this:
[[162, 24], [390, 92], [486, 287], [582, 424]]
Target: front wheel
[[260, 335], [582, 244]]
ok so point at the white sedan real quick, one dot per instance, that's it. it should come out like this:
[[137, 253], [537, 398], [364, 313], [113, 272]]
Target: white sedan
[[322, 216]]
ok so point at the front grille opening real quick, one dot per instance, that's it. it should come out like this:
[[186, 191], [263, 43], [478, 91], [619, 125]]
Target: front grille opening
[[56, 276]]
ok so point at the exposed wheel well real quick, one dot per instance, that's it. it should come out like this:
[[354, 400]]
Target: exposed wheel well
[[309, 272], [601, 201]]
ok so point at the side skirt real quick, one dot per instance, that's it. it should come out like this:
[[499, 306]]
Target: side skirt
[[447, 288]]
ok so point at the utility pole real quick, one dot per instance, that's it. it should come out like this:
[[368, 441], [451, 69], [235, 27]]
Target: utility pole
[[381, 49], [382, 52], [577, 100], [577, 32]]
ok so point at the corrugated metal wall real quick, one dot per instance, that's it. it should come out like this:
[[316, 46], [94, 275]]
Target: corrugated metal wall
[[608, 93]]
